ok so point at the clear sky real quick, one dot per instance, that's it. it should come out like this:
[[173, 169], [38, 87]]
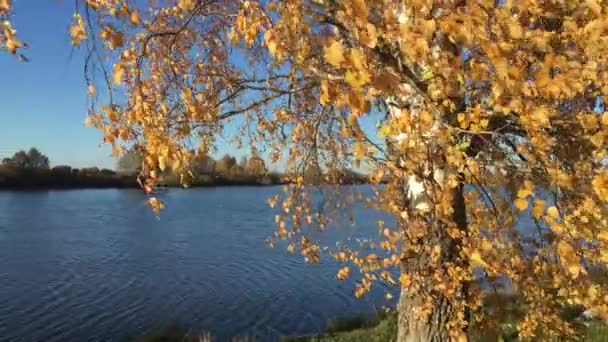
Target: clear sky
[[43, 102]]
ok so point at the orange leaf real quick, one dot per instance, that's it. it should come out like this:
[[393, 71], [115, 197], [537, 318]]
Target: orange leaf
[[521, 204], [334, 53]]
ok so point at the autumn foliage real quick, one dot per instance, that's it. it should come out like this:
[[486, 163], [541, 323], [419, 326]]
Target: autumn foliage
[[489, 131]]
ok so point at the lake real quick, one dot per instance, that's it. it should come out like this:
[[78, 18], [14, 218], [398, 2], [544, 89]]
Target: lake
[[97, 265]]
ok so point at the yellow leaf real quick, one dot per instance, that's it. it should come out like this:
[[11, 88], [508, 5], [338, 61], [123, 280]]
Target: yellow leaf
[[359, 150], [367, 35], [77, 30], [524, 193], [354, 79], [569, 258], [334, 53], [526, 190], [324, 96], [605, 119], [185, 5], [93, 4], [119, 71], [556, 227], [476, 259], [359, 291], [88, 122], [486, 245], [515, 30], [345, 132], [162, 163], [343, 273], [521, 204], [357, 59], [156, 204], [384, 131], [376, 176], [594, 6], [405, 280], [553, 212], [589, 121], [271, 42], [600, 185], [427, 117], [12, 45], [539, 209], [134, 17], [91, 90], [4, 6]]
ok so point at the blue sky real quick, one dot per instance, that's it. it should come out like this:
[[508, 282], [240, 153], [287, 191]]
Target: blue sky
[[43, 102]]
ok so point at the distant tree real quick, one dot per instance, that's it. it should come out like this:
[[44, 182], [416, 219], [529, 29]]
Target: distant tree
[[37, 160], [256, 165], [225, 164], [19, 160], [90, 170], [61, 173], [107, 172], [130, 161], [204, 164], [33, 159], [63, 170]]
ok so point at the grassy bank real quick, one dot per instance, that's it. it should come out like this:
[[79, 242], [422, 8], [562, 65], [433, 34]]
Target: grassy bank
[[383, 328]]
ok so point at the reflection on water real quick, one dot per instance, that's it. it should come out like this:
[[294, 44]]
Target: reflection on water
[[97, 265]]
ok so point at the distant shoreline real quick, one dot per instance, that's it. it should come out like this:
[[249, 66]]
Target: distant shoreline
[[43, 180], [53, 179]]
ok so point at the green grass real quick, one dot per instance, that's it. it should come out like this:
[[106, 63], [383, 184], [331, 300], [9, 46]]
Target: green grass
[[382, 327], [386, 331], [176, 334], [597, 332]]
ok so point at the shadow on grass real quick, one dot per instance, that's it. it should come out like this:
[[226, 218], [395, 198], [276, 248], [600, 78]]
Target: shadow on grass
[[359, 321], [177, 334]]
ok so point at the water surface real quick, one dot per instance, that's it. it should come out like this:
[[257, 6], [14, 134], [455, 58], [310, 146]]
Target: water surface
[[97, 265]]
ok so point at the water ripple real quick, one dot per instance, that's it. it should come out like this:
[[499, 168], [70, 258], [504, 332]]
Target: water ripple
[[96, 265]]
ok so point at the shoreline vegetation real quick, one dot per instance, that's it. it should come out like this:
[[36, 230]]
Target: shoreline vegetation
[[382, 327], [67, 178], [31, 171]]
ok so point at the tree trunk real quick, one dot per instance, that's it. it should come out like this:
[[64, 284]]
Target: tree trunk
[[412, 329], [434, 329]]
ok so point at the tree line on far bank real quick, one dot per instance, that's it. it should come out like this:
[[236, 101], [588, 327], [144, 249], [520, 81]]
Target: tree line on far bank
[[31, 169]]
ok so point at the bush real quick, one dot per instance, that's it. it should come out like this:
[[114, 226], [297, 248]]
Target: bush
[[107, 172], [62, 170], [90, 170]]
